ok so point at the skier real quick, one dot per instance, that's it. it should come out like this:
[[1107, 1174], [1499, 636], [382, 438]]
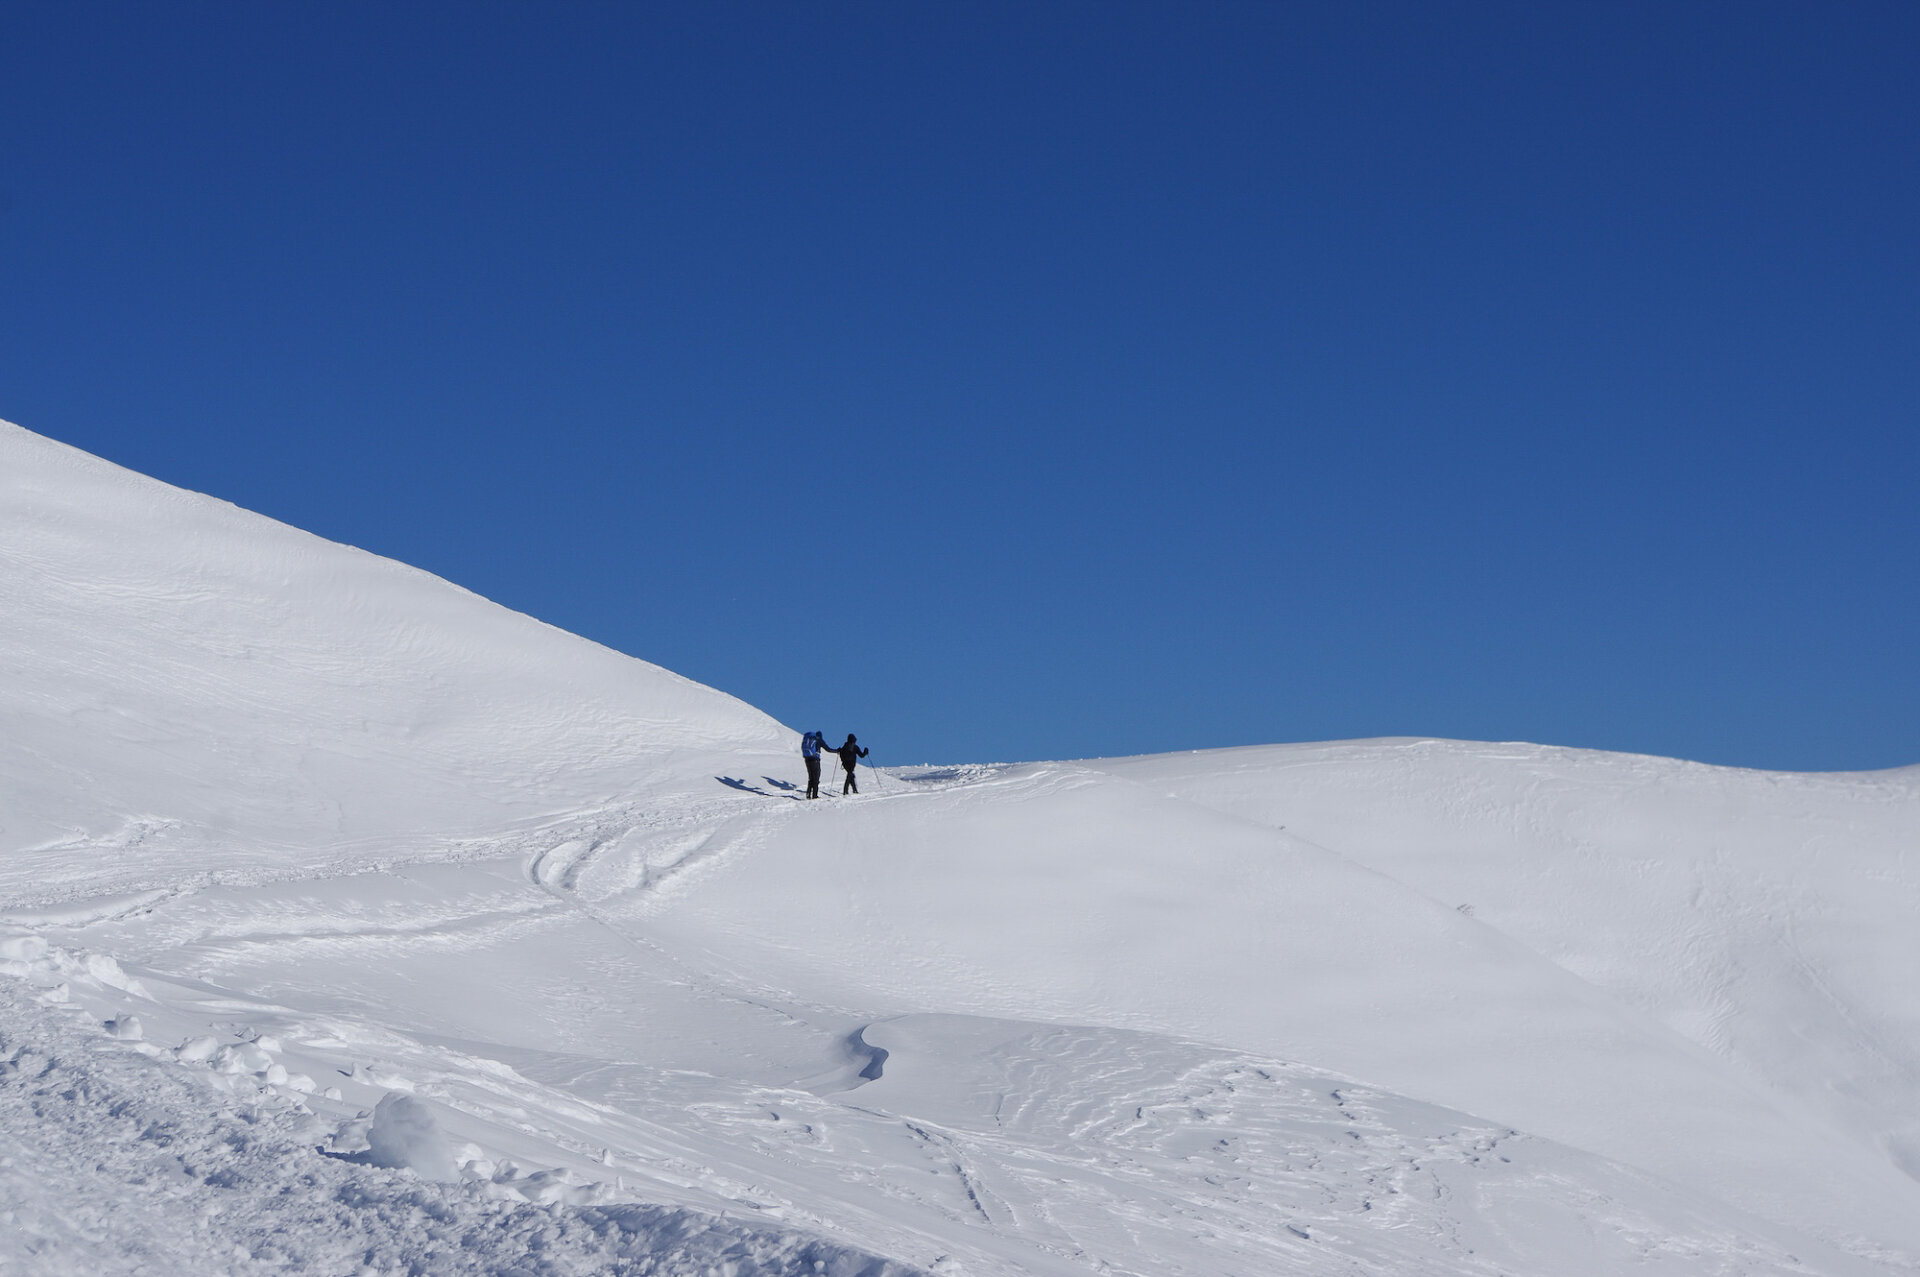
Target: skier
[[850, 755], [810, 746]]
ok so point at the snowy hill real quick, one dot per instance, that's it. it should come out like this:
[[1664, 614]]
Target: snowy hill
[[353, 919], [1766, 917], [227, 694]]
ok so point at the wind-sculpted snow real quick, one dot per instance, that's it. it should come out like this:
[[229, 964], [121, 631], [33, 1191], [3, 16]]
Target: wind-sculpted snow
[[982, 1145], [115, 1163], [351, 923]]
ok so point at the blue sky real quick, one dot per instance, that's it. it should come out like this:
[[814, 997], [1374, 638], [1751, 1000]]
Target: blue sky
[[1012, 381]]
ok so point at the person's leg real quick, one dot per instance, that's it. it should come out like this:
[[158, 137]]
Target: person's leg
[[850, 787], [813, 777]]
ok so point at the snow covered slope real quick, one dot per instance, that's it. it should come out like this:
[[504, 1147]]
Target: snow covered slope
[[1766, 917], [187, 688], [337, 899]]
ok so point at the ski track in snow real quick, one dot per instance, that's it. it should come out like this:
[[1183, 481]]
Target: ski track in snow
[[1098, 1144], [1138, 1143]]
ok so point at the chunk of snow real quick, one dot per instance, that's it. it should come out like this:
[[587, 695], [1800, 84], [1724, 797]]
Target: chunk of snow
[[197, 1050], [26, 949], [243, 1057], [406, 1135], [109, 972], [351, 1138]]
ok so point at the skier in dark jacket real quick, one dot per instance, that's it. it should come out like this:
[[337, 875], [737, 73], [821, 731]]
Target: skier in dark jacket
[[810, 746], [850, 756]]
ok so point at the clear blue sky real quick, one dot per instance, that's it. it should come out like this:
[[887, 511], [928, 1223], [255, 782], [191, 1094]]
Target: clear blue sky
[[1036, 380]]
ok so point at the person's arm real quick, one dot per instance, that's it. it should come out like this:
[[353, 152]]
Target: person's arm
[[863, 753]]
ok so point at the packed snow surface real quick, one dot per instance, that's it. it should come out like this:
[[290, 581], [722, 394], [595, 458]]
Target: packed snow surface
[[351, 923]]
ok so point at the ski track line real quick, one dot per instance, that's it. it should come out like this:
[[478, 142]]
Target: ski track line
[[111, 896], [466, 929]]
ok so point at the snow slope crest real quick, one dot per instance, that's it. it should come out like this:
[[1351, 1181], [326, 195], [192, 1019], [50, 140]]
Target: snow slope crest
[[188, 681]]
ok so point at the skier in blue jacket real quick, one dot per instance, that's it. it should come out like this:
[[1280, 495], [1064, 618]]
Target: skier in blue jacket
[[810, 746]]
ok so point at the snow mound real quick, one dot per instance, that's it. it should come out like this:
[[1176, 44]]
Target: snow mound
[[405, 1134]]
